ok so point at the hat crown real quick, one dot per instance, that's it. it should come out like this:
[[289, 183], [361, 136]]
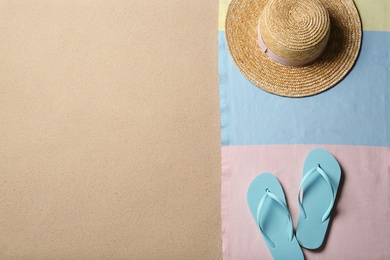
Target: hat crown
[[295, 30]]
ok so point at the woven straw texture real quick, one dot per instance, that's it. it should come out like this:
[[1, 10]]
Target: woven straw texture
[[338, 58]]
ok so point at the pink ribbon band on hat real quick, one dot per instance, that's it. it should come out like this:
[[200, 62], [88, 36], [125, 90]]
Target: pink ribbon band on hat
[[281, 60]]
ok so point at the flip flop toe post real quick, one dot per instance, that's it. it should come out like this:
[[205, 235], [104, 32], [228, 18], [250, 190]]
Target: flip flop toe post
[[316, 197], [267, 204]]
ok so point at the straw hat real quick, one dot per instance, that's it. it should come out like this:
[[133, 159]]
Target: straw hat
[[293, 48]]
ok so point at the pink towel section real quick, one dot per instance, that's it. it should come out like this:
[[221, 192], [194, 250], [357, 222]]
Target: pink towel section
[[360, 225]]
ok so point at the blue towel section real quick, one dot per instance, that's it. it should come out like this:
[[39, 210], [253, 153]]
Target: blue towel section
[[354, 112]]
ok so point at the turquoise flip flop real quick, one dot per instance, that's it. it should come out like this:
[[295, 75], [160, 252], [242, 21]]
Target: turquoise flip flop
[[268, 206], [319, 184]]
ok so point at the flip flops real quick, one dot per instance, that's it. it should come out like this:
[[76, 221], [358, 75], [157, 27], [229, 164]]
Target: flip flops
[[316, 197], [319, 185], [268, 206]]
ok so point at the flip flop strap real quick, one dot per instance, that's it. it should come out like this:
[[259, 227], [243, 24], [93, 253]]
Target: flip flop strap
[[269, 194], [327, 180]]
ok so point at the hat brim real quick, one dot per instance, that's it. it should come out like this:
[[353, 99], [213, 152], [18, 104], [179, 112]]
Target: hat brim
[[330, 68]]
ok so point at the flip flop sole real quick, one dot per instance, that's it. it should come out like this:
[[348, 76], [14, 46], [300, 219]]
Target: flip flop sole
[[316, 198], [274, 219]]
